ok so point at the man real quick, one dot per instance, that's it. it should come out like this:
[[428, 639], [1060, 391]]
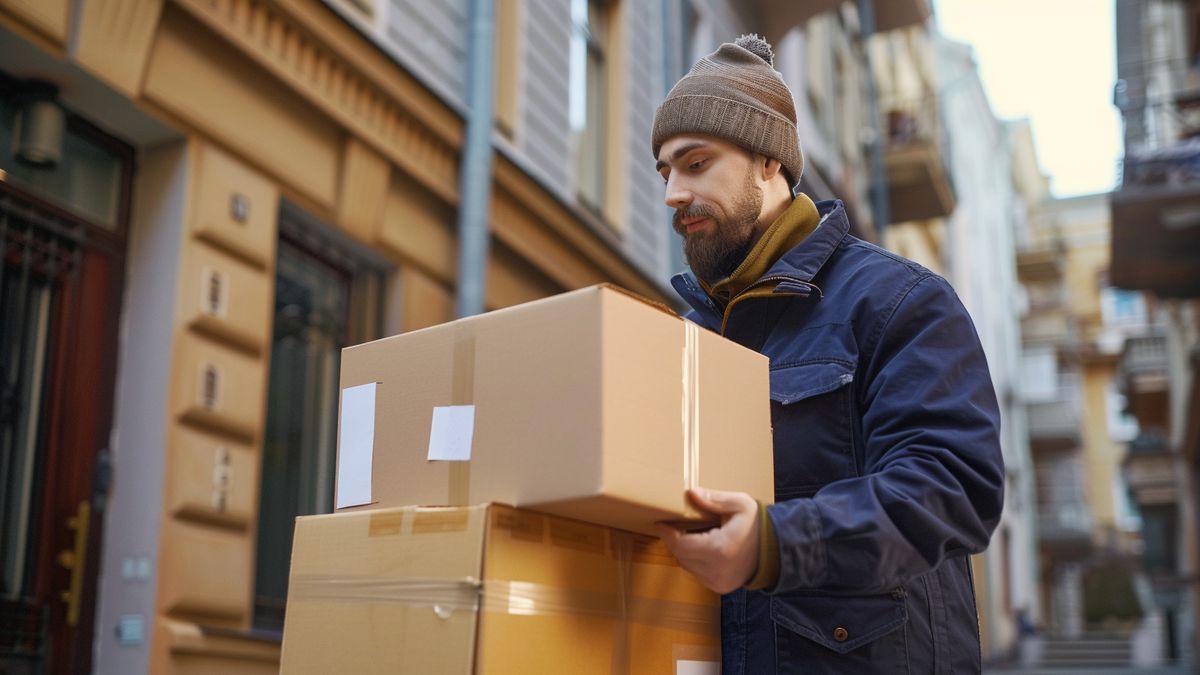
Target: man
[[888, 470]]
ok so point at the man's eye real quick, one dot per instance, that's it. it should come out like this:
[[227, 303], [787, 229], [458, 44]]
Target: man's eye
[[697, 164]]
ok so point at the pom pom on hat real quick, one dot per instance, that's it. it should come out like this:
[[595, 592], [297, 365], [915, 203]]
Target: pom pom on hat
[[756, 45]]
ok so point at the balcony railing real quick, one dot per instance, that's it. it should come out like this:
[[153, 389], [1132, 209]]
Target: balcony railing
[[1067, 521], [1175, 165], [1144, 354], [1156, 211]]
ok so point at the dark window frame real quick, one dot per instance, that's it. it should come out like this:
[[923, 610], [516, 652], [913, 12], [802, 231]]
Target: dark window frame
[[360, 274]]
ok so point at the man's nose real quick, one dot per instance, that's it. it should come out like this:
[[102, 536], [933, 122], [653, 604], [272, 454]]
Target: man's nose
[[677, 195]]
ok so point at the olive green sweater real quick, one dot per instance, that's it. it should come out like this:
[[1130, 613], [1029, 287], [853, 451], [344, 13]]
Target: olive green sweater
[[789, 229]]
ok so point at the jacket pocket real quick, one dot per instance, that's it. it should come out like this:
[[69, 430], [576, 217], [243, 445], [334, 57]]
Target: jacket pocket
[[811, 414], [821, 633]]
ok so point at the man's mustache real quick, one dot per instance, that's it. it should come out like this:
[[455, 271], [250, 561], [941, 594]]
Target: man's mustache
[[691, 211]]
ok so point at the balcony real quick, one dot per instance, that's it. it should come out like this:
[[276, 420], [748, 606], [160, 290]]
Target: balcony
[[1065, 529], [1064, 520], [1040, 264], [1051, 327], [1156, 221], [1151, 470], [919, 186], [894, 14], [1143, 379], [1054, 424], [780, 17], [1055, 417]]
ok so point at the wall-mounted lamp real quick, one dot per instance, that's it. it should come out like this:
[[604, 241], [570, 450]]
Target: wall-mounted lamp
[[41, 123]]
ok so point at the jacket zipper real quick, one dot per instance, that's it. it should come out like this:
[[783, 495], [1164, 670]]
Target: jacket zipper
[[759, 284]]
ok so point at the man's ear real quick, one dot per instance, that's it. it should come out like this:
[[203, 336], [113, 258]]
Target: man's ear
[[771, 167]]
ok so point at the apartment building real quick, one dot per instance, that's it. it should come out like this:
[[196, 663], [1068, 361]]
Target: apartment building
[[980, 257], [1156, 254]]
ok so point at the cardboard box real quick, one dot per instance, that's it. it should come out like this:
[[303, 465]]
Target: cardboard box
[[490, 589], [594, 404]]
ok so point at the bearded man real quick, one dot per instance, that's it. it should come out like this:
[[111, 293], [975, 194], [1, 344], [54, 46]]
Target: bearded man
[[888, 468]]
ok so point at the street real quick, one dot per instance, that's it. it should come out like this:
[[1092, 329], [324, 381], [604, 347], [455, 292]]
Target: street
[[1172, 670]]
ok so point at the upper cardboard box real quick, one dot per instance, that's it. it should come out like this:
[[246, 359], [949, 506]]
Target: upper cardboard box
[[592, 404]]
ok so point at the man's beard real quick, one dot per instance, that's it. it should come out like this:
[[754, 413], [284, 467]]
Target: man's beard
[[716, 253]]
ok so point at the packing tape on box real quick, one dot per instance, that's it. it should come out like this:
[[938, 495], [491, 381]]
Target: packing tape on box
[[519, 598], [691, 405], [530, 599], [450, 594], [462, 392]]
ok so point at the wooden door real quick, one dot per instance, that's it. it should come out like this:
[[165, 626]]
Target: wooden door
[[60, 293]]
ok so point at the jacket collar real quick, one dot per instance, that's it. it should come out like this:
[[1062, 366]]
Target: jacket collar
[[801, 263]]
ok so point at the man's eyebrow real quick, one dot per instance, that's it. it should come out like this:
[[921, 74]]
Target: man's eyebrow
[[680, 152]]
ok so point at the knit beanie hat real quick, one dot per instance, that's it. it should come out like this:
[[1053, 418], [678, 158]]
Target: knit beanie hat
[[735, 94]]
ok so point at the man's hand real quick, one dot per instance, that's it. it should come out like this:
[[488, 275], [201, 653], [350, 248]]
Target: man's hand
[[723, 558]]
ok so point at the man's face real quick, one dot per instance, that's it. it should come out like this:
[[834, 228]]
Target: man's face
[[717, 197]]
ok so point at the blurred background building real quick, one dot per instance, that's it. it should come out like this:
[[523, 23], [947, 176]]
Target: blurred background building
[[1156, 252], [203, 201]]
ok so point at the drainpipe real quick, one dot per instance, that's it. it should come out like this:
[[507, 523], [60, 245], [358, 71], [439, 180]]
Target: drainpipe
[[879, 195], [475, 177]]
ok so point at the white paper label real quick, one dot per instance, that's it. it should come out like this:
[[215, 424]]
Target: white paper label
[[356, 445], [451, 432], [697, 668]]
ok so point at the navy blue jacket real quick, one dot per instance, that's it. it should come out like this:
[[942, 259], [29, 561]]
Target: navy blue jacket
[[888, 469]]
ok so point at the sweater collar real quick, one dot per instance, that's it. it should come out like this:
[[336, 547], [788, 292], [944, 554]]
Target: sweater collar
[[792, 226], [803, 262]]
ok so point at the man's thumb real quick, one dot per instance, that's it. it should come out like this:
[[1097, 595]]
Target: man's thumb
[[718, 502]]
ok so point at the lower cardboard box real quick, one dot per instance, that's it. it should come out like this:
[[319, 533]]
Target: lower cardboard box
[[490, 589]]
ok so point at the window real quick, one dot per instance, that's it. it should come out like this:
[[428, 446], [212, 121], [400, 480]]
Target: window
[[1119, 307], [589, 35], [321, 305], [689, 25], [699, 37]]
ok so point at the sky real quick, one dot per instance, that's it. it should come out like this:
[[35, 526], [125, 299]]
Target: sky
[[1054, 62]]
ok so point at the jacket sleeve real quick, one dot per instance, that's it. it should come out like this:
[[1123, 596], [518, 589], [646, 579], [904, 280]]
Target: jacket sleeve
[[933, 478]]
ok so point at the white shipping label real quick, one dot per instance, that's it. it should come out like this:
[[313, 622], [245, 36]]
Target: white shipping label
[[697, 668], [356, 445], [451, 432]]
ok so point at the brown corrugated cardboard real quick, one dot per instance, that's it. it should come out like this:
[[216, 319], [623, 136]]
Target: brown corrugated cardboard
[[592, 404], [489, 589]]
